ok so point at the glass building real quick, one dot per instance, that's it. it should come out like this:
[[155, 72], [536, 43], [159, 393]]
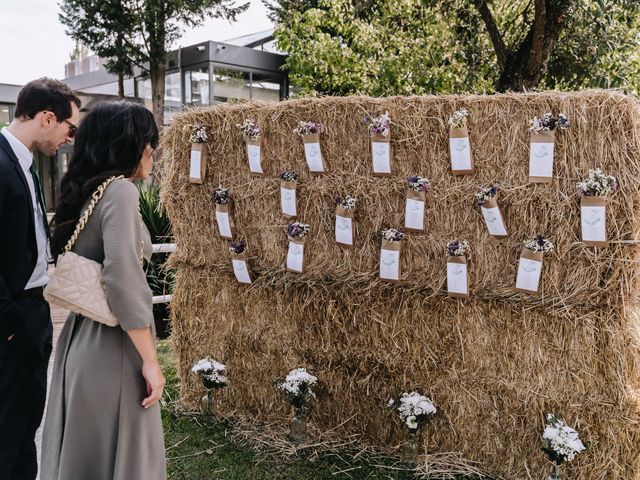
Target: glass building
[[198, 75]]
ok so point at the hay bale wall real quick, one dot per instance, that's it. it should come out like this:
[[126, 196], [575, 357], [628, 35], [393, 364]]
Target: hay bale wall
[[494, 364]]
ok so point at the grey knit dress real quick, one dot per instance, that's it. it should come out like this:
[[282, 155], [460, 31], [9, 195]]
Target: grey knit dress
[[96, 427]]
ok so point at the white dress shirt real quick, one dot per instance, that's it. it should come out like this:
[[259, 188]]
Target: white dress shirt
[[39, 277]]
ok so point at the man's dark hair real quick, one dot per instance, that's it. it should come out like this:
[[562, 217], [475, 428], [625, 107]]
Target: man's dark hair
[[46, 94]]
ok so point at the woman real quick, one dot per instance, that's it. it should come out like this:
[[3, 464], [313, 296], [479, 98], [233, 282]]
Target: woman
[[103, 417]]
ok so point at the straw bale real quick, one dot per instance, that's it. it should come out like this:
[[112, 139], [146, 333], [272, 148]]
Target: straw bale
[[494, 364]]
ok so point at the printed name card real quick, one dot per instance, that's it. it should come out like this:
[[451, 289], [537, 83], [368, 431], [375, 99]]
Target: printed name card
[[529, 270], [254, 154], [344, 226], [224, 221], [593, 218], [541, 157], [460, 151], [295, 255], [457, 277], [312, 152], [381, 155], [288, 199], [240, 267], [493, 218], [198, 163], [414, 211], [390, 261]]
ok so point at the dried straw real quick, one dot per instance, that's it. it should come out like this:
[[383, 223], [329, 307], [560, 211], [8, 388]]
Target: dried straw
[[494, 364]]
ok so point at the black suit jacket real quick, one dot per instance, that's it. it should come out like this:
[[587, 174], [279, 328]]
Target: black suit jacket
[[18, 247]]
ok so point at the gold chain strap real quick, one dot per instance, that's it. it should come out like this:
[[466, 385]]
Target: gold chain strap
[[82, 222]]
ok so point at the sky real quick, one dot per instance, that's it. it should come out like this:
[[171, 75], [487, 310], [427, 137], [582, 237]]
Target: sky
[[35, 44]]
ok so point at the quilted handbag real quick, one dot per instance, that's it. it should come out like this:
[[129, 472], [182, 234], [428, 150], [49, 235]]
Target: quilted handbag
[[76, 284]]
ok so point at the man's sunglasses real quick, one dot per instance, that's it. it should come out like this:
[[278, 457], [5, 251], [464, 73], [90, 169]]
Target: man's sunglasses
[[72, 128]]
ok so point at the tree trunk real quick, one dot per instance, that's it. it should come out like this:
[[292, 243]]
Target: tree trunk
[[121, 85], [523, 66], [157, 92], [526, 66]]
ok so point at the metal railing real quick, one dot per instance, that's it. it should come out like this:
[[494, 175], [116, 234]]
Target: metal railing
[[163, 248]]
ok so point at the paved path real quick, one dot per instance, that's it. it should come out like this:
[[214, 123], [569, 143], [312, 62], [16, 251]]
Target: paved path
[[58, 316]]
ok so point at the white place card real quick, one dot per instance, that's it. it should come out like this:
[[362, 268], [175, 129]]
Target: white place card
[[288, 201], [414, 214], [457, 278], [460, 149], [541, 160], [253, 152], [389, 264], [241, 271], [344, 230], [493, 219], [528, 274], [314, 157], [223, 224], [381, 157], [195, 165], [295, 256], [593, 223]]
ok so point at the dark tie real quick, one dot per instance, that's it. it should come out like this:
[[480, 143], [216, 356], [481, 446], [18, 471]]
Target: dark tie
[[41, 202]]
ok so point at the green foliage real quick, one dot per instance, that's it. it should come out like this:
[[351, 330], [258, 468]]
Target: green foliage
[[106, 27], [600, 48], [388, 47], [159, 278]]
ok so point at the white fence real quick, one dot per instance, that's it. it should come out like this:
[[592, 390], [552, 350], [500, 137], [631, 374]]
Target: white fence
[[163, 248]]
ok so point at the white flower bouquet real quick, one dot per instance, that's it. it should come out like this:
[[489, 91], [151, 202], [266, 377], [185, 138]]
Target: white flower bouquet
[[414, 409], [297, 387], [211, 373], [562, 443]]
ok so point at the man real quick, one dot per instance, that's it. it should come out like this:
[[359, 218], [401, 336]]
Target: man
[[46, 118]]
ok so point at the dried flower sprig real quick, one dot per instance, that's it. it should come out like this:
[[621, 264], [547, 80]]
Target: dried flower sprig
[[308, 128], [237, 247], [199, 133], [220, 195], [458, 249], [459, 118], [485, 194], [548, 122], [597, 184], [211, 373], [347, 202], [539, 244], [379, 125], [250, 129], [298, 229], [392, 235], [289, 176], [418, 184], [562, 443], [414, 409]]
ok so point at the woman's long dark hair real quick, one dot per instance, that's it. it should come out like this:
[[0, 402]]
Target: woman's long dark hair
[[110, 141]]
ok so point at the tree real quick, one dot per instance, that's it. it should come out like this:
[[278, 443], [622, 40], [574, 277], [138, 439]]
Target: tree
[[379, 47], [105, 26], [385, 47], [143, 34], [160, 23]]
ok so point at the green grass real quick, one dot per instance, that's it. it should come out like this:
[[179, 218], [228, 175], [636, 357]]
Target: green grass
[[201, 448]]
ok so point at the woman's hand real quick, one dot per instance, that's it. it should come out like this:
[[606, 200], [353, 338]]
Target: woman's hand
[[155, 382]]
